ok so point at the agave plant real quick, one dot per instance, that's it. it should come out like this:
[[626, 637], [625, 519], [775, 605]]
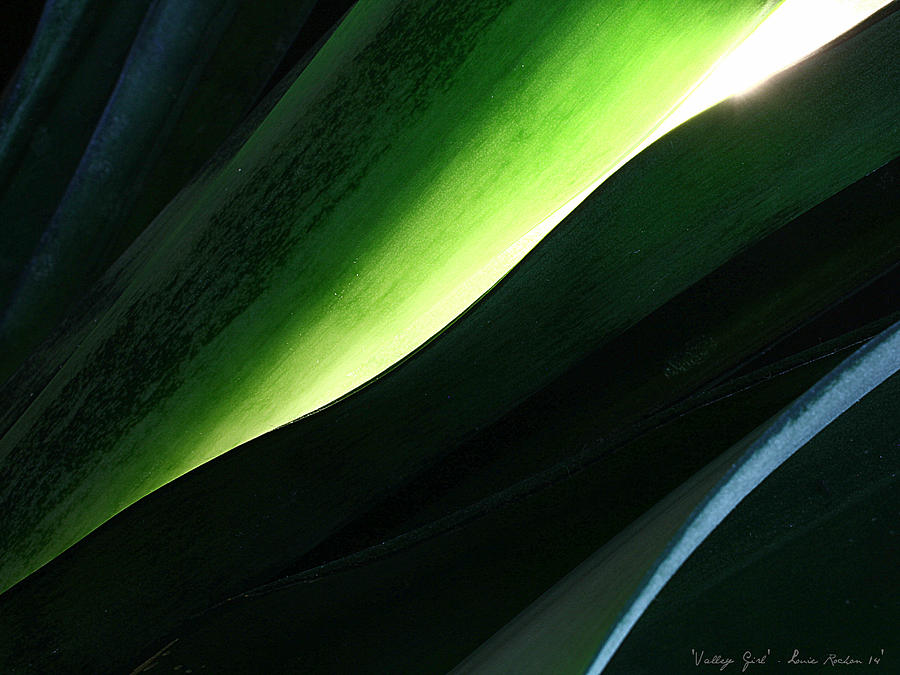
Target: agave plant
[[415, 336]]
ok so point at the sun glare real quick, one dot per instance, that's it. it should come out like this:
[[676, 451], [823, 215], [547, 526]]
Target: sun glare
[[793, 31]]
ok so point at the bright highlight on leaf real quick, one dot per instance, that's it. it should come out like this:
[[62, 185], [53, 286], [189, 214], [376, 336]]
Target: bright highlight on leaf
[[364, 214], [793, 31], [353, 295]]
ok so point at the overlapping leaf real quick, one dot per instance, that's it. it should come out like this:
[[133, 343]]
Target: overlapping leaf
[[240, 307], [578, 625], [105, 137], [264, 504], [342, 235]]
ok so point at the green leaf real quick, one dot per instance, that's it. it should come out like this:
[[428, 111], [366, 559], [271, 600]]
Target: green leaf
[[154, 134], [243, 518], [48, 116], [578, 625], [442, 589], [345, 233], [814, 544], [187, 346]]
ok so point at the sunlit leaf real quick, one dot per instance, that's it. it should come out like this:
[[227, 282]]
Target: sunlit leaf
[[241, 519], [343, 234], [457, 304]]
